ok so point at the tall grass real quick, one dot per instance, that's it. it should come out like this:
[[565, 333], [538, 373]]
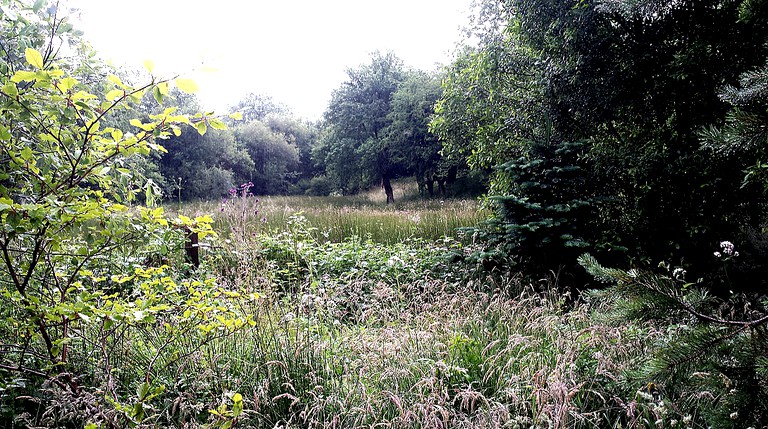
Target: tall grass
[[337, 218], [365, 334], [382, 331]]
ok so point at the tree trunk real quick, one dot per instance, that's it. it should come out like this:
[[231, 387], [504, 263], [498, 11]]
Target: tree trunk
[[388, 189]]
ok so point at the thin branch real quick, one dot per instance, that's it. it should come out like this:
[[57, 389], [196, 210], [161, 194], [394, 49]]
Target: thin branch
[[31, 371]]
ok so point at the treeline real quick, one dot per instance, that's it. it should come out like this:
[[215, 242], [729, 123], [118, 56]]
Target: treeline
[[375, 130]]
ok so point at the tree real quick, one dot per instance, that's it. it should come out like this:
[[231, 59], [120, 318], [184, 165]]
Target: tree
[[357, 119], [715, 346], [272, 155], [492, 102], [303, 135], [548, 218], [257, 107], [206, 165], [72, 279], [412, 109], [744, 131], [638, 81]]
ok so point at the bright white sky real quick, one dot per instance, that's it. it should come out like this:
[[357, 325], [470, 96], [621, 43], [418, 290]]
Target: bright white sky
[[296, 51]]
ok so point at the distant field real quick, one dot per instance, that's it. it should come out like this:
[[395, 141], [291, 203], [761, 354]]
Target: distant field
[[339, 217]]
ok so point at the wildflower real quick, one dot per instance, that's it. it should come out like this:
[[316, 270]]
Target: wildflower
[[734, 415], [718, 255], [678, 273], [727, 247], [264, 220]]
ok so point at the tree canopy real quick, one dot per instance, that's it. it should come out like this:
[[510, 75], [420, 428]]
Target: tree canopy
[[638, 82]]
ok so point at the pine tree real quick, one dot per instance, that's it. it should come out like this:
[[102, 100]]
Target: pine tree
[[547, 219], [715, 364]]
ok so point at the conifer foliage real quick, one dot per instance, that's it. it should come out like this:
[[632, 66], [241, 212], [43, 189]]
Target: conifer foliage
[[716, 355], [547, 218]]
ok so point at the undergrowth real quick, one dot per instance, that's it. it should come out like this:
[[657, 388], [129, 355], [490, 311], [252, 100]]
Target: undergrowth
[[364, 334]]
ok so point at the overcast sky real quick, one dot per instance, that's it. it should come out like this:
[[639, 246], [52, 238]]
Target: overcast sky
[[296, 51]]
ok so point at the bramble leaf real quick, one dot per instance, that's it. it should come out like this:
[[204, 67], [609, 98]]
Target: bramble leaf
[[26, 153], [163, 87]]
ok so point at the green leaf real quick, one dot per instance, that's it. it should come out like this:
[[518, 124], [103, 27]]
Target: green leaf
[[10, 89], [116, 134], [238, 116], [201, 128], [82, 95], [157, 94], [217, 124], [27, 154], [137, 123], [116, 80], [5, 204], [67, 83], [114, 94], [22, 76], [5, 133], [187, 85], [149, 65], [34, 58]]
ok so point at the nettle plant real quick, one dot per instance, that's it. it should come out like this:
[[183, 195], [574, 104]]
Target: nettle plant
[[71, 250]]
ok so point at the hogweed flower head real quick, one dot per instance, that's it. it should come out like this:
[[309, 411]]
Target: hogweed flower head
[[728, 250]]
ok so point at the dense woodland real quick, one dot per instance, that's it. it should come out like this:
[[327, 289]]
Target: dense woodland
[[619, 148]]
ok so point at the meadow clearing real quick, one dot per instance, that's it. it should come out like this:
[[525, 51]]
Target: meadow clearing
[[370, 316]]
